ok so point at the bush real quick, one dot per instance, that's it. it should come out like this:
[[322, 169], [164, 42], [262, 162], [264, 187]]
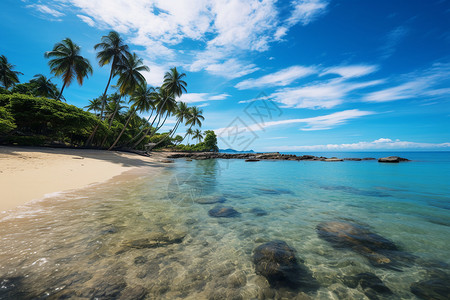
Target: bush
[[47, 117], [6, 121]]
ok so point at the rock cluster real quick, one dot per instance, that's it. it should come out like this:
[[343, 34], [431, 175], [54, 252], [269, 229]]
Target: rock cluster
[[254, 157]]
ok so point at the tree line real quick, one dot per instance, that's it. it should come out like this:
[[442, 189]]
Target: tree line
[[113, 120]]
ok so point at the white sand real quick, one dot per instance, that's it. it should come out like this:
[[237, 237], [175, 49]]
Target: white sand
[[29, 173]]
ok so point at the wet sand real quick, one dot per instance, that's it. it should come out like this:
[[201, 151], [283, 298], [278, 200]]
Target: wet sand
[[30, 173]]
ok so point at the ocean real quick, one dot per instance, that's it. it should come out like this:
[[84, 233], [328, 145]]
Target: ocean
[[154, 236]]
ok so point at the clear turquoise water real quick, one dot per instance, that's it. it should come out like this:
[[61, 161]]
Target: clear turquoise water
[[75, 244]]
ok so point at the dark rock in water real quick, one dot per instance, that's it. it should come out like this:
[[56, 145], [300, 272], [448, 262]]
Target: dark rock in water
[[109, 229], [276, 261], [371, 285], [167, 161], [352, 190], [211, 200], [369, 158], [379, 250], [251, 159], [107, 288], [259, 212], [275, 191], [223, 212], [434, 288], [13, 288], [159, 241], [392, 159], [333, 159], [133, 293], [353, 159], [140, 260]]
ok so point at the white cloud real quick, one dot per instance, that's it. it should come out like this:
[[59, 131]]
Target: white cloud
[[46, 10], [316, 123], [202, 97], [281, 78], [380, 144], [416, 84], [319, 95], [87, 20], [306, 11], [351, 71], [393, 38]]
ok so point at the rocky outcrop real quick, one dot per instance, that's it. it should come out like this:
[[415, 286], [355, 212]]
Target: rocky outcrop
[[276, 261], [223, 212], [436, 287], [392, 159], [380, 251], [253, 157], [370, 284], [211, 200]]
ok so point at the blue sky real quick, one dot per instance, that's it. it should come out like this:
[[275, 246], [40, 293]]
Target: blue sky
[[297, 75]]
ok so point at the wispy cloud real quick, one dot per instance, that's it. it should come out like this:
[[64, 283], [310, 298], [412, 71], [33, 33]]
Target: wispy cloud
[[392, 39], [316, 123], [281, 78], [87, 20], [47, 11], [351, 71], [319, 95], [416, 84], [202, 97], [380, 144]]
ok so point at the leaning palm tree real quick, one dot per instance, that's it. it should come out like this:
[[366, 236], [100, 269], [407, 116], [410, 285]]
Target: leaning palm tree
[[112, 50], [94, 105], [145, 92], [130, 78], [197, 135], [44, 87], [67, 62], [8, 77], [195, 118], [182, 112], [173, 82], [189, 132]]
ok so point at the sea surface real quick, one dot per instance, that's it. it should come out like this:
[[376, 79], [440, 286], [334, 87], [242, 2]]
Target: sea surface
[[149, 235]]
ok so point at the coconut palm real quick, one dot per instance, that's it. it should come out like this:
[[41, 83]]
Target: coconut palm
[[130, 78], [195, 118], [182, 112], [95, 105], [173, 82], [44, 87], [146, 92], [67, 62], [197, 135], [8, 77], [189, 132], [112, 50]]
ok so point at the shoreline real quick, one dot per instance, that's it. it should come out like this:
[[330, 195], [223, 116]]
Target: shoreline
[[32, 173]]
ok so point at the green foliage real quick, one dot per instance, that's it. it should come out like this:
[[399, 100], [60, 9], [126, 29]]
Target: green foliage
[[6, 121], [56, 120], [211, 141]]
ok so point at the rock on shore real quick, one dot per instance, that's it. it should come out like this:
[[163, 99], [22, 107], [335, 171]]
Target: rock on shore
[[392, 159]]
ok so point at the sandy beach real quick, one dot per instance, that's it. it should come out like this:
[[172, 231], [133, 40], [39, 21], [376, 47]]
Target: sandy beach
[[29, 173]]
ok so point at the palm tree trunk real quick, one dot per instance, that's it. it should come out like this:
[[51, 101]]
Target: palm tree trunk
[[62, 89], [91, 137], [148, 130], [123, 130], [143, 127], [111, 119], [169, 135]]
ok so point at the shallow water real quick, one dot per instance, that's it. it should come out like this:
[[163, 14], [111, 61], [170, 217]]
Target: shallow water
[[145, 235]]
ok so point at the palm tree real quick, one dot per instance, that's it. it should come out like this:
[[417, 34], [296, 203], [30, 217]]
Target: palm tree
[[114, 51], [182, 113], [94, 105], [8, 77], [198, 135], [146, 92], [130, 78], [189, 132], [68, 63], [195, 118], [44, 87], [173, 82]]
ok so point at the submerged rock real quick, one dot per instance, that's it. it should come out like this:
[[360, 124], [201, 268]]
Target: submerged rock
[[276, 261], [155, 242], [370, 284], [223, 212], [379, 250], [392, 159], [435, 288], [333, 159], [251, 159], [211, 200], [277, 191], [258, 212]]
